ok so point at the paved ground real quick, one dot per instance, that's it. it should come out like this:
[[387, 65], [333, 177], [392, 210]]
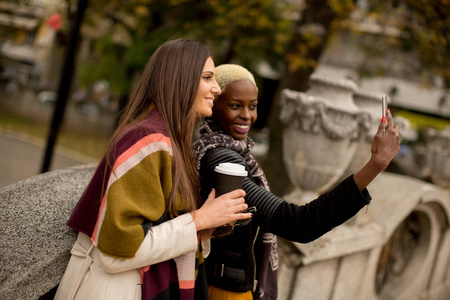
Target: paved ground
[[21, 158]]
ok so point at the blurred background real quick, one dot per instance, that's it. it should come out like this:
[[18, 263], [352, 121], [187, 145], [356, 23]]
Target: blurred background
[[87, 56], [67, 68]]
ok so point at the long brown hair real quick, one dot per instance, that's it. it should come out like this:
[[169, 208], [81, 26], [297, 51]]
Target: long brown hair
[[170, 81]]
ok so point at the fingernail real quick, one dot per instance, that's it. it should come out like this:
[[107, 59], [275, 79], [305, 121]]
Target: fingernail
[[389, 110], [383, 119]]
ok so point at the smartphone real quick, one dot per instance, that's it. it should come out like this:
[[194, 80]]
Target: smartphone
[[384, 105]]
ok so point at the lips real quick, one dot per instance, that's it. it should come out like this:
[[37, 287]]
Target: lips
[[241, 128], [210, 100]]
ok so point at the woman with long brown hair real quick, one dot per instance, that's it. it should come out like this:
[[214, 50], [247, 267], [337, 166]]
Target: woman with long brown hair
[[140, 226]]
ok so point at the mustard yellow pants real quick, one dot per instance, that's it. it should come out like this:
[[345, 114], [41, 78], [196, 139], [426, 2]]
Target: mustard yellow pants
[[216, 293]]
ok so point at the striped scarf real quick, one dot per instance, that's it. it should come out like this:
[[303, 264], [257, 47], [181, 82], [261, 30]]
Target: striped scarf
[[128, 196]]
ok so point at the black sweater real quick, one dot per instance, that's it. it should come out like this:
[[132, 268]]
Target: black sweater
[[296, 223]]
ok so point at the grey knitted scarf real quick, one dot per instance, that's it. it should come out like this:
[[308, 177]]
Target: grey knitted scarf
[[212, 136]]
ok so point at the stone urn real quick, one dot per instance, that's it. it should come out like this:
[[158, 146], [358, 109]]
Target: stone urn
[[323, 129]]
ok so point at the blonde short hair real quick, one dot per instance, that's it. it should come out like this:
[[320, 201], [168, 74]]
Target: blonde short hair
[[228, 73]]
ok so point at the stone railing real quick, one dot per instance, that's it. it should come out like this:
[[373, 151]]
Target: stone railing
[[35, 243]]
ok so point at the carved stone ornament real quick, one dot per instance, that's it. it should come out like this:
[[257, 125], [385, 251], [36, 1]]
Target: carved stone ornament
[[313, 115]]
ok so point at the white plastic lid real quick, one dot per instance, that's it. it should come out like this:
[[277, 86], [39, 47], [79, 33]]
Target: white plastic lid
[[231, 169]]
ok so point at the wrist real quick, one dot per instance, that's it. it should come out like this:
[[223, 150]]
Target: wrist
[[198, 221], [370, 170], [377, 164]]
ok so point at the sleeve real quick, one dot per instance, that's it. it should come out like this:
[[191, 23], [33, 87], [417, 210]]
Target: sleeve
[[136, 198], [297, 223], [161, 243], [312, 220]]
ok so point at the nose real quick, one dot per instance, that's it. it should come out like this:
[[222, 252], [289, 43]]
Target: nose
[[216, 88], [245, 113]]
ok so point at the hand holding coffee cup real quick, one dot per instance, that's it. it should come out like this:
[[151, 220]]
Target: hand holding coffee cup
[[229, 177]]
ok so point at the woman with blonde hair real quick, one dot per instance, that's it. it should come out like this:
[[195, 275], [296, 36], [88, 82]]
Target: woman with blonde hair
[[243, 259]]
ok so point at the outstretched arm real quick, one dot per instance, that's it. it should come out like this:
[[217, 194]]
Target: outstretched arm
[[298, 223]]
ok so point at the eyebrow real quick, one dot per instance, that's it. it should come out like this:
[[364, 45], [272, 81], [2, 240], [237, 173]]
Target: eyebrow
[[239, 100], [210, 72]]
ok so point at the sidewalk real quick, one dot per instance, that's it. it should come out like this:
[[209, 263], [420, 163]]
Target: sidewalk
[[21, 157]]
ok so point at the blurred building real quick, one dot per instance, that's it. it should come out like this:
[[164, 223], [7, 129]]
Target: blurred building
[[28, 31], [363, 51]]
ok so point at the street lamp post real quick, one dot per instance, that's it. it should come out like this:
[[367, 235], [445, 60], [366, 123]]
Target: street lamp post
[[64, 84]]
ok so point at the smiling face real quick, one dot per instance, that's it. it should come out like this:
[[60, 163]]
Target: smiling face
[[207, 89], [235, 109]]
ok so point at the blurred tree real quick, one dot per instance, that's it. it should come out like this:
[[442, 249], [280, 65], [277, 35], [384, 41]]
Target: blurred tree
[[248, 33], [425, 30], [310, 33], [245, 33]]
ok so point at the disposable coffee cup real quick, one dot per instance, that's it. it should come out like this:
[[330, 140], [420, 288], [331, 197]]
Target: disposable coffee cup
[[229, 177]]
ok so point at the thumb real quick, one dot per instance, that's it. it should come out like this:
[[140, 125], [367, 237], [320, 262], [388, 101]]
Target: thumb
[[211, 195]]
